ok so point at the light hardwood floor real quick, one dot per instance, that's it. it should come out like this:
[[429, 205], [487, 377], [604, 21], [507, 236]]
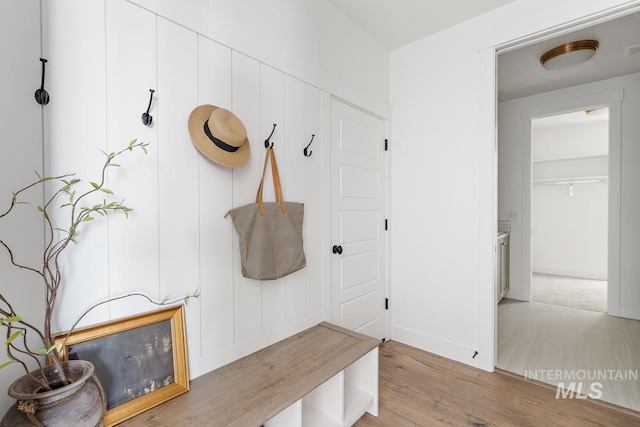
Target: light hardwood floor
[[422, 389], [535, 337], [575, 292]]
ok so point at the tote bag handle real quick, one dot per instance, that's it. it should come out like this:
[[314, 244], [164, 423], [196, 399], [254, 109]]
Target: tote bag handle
[[277, 185]]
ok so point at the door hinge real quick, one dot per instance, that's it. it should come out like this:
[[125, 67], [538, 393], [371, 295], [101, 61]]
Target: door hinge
[[386, 303], [386, 145], [386, 224]]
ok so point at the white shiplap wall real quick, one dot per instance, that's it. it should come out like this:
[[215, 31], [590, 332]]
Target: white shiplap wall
[[177, 239], [21, 139]]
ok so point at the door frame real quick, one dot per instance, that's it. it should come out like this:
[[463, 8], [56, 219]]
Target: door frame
[[489, 48], [612, 99]]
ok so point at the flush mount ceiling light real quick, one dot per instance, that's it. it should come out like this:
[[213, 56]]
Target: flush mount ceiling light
[[569, 54]]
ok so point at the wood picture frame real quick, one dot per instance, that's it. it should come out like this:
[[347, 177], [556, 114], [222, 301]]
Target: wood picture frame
[[140, 360]]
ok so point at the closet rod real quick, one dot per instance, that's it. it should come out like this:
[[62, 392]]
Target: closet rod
[[565, 181]]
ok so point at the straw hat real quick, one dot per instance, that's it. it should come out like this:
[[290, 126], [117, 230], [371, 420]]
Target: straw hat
[[219, 135]]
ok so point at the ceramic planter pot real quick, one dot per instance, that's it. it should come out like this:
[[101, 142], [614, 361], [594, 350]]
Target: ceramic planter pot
[[79, 403]]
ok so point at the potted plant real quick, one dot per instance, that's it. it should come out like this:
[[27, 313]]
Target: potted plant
[[52, 378]]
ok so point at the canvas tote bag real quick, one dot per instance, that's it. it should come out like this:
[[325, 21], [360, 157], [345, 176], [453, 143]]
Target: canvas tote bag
[[270, 233]]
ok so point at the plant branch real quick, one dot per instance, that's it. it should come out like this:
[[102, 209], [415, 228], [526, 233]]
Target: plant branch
[[55, 244], [162, 303], [10, 346], [15, 201], [12, 313], [13, 261]]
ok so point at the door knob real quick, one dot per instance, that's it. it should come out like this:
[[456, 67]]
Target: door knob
[[337, 249]]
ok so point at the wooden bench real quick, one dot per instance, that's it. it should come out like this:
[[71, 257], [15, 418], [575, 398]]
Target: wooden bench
[[323, 376]]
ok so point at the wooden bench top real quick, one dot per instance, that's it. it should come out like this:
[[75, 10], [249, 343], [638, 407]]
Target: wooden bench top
[[251, 390]]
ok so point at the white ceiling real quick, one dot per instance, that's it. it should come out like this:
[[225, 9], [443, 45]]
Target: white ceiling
[[395, 23], [520, 73]]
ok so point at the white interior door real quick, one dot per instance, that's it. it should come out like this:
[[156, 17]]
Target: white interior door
[[358, 213]]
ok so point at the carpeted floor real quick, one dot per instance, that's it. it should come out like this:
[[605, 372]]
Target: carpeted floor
[[574, 292]]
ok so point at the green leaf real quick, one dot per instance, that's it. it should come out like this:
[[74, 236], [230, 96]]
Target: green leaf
[[114, 165], [87, 218], [106, 190], [94, 185], [13, 336], [50, 349], [40, 208], [132, 142], [74, 181], [143, 149], [5, 364], [14, 319]]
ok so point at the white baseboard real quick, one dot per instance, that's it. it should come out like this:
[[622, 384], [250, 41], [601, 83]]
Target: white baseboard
[[560, 271], [442, 347], [630, 311], [515, 294]]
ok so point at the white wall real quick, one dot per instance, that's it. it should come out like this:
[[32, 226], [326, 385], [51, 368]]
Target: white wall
[[309, 39], [434, 195], [571, 140], [443, 129], [21, 125], [276, 66], [511, 190], [569, 235], [569, 222]]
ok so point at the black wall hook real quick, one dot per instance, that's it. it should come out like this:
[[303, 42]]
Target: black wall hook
[[306, 151], [146, 117], [41, 95], [266, 141]]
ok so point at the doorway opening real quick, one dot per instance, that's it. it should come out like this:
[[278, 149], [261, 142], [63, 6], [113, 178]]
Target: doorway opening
[[536, 337], [569, 208]]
